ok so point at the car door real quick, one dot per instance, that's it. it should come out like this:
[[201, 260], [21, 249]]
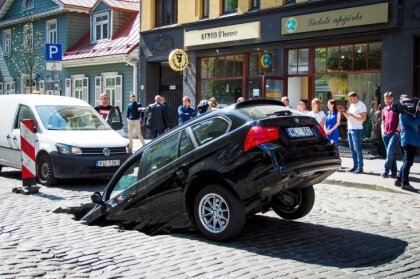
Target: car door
[[114, 120], [14, 153]]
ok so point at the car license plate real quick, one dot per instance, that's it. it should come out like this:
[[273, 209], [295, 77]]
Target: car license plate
[[299, 132], [107, 163]]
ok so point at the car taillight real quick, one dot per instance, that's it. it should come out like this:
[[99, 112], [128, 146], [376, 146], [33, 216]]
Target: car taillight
[[259, 135], [321, 130]]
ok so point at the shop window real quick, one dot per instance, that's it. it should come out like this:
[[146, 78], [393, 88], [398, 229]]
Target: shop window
[[206, 8], [230, 6], [321, 60], [255, 68], [374, 57], [298, 61], [238, 65], [166, 12], [255, 4], [346, 58], [333, 59], [360, 57]]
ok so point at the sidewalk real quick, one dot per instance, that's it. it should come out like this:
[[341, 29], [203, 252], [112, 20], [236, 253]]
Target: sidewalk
[[370, 179]]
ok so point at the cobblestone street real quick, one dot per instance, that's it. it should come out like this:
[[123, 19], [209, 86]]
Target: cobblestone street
[[350, 233]]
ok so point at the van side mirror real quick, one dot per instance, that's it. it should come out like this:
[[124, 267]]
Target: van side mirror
[[97, 198], [116, 125]]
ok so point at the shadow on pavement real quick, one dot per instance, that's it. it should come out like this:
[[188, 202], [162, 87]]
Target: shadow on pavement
[[312, 243], [17, 175]]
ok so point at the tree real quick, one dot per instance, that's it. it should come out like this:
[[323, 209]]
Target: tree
[[27, 53]]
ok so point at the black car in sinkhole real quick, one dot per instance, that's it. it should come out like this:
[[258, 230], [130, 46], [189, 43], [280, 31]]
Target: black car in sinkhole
[[215, 170]]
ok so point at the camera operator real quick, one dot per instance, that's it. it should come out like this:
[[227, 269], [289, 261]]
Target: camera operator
[[409, 109]]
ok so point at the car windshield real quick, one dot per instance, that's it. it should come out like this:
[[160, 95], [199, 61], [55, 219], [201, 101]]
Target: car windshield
[[258, 112], [71, 118]]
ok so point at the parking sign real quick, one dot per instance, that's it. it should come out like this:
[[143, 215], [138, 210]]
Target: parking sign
[[53, 52]]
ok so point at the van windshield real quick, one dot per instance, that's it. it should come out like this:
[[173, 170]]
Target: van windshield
[[71, 118]]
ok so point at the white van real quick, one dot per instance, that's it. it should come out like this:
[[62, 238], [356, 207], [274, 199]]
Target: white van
[[72, 138]]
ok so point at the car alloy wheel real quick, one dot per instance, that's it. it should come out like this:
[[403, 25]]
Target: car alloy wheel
[[218, 212], [214, 213]]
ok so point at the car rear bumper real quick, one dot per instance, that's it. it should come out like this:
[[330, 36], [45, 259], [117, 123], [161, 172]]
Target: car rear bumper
[[84, 166]]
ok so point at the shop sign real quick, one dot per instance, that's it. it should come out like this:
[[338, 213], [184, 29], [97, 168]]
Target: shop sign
[[356, 16], [178, 60], [266, 61], [244, 31]]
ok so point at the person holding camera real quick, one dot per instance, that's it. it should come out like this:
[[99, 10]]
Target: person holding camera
[[356, 115], [409, 109]]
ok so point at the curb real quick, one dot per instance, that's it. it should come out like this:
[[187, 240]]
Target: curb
[[372, 187]]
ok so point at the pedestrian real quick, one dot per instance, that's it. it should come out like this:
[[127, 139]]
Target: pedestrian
[[168, 112], [301, 107], [390, 132], [134, 117], [213, 105], [285, 101], [202, 107], [316, 112], [377, 131], [185, 111], [156, 118], [104, 108], [332, 121], [410, 139], [240, 100], [355, 115]]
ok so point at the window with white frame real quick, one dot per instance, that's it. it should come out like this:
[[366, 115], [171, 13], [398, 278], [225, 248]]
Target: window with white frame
[[28, 30], [7, 41], [10, 88], [109, 88], [27, 4], [101, 26], [78, 89], [51, 31]]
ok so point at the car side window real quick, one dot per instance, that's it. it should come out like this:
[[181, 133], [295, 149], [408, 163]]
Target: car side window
[[185, 144], [128, 179], [210, 130], [161, 154], [24, 113]]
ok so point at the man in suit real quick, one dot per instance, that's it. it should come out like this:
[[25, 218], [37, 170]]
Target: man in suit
[[157, 120]]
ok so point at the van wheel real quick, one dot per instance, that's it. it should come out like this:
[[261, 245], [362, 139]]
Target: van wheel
[[45, 171], [218, 213], [294, 203]]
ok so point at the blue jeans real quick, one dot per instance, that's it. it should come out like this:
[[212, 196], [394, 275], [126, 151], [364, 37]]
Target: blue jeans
[[355, 144], [391, 142]]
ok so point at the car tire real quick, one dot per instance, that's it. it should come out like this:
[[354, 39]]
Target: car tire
[[229, 213], [45, 171], [295, 203]]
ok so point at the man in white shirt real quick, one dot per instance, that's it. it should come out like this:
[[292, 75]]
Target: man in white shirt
[[356, 115]]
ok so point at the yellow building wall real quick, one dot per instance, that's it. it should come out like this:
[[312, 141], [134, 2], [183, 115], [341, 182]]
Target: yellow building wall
[[189, 10], [216, 8], [244, 6], [267, 4], [147, 14]]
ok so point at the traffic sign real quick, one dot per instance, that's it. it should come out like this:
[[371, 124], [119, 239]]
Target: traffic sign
[[54, 66], [53, 52]]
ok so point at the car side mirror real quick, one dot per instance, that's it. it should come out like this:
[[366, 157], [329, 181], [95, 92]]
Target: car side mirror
[[116, 125], [97, 198]]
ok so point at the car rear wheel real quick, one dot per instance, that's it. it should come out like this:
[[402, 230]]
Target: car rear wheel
[[219, 214], [45, 171], [294, 203]]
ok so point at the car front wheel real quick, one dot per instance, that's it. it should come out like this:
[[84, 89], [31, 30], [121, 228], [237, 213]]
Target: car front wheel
[[45, 171], [219, 214], [294, 203]]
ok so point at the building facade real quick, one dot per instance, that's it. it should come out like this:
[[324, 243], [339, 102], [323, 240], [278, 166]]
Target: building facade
[[270, 49]]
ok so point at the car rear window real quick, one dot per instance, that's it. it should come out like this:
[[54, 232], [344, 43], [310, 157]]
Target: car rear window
[[257, 112], [209, 130]]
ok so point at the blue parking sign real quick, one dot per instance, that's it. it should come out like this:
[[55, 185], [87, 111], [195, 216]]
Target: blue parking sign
[[53, 52]]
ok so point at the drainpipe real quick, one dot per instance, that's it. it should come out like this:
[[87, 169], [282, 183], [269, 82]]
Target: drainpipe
[[135, 73]]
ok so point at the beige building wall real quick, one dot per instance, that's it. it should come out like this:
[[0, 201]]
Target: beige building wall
[[189, 10], [147, 14], [267, 4], [244, 6], [216, 8]]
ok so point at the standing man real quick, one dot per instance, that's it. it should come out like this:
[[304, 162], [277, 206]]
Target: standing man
[[134, 117], [104, 107], [410, 139], [356, 115], [285, 101], [185, 112], [390, 135], [156, 117], [168, 112]]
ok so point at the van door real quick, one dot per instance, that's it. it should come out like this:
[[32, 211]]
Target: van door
[[114, 120], [14, 156]]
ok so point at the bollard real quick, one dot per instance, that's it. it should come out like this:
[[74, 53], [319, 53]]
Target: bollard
[[27, 146]]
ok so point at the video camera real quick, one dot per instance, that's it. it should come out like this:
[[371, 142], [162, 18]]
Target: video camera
[[407, 105]]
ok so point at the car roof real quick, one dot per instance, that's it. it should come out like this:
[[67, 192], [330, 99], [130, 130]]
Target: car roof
[[37, 99]]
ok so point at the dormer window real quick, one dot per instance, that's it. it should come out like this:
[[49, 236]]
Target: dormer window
[[27, 4], [101, 27]]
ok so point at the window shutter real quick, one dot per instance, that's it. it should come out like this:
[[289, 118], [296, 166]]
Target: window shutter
[[98, 90], [1, 88], [42, 87], [118, 91], [68, 87], [85, 90]]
